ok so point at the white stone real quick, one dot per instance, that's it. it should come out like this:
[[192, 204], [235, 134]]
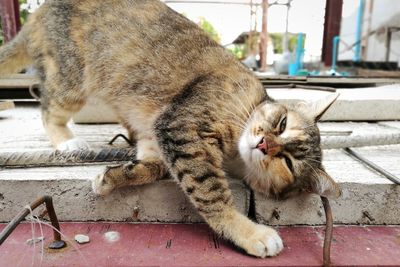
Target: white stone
[[82, 239], [112, 236]]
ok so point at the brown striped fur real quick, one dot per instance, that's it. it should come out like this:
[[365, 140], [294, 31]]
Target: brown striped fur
[[193, 109]]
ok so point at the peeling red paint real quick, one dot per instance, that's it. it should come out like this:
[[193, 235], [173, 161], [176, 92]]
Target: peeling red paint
[[196, 245]]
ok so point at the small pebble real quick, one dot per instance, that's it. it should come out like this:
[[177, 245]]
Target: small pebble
[[82, 239], [112, 236]]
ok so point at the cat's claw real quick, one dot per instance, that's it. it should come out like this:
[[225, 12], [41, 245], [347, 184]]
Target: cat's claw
[[265, 242], [73, 144], [100, 186]]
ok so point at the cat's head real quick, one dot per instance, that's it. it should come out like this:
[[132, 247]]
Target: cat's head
[[281, 148]]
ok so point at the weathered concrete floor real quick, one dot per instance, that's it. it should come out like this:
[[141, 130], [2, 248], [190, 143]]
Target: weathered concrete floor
[[367, 196], [196, 245]]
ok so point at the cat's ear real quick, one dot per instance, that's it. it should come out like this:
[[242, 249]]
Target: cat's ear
[[324, 185], [317, 108]]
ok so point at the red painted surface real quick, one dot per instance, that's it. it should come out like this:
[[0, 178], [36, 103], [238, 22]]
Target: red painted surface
[[195, 245]]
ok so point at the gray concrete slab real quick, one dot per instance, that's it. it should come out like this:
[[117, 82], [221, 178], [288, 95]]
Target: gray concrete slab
[[364, 189], [368, 197], [21, 130], [163, 201], [355, 104], [364, 104]]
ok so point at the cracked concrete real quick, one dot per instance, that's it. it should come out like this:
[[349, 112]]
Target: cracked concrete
[[162, 201]]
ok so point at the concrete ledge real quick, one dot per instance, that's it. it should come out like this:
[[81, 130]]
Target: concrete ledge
[[367, 198], [382, 103], [364, 190], [359, 204], [365, 104], [163, 201]]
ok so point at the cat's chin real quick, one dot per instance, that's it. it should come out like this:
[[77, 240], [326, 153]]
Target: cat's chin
[[248, 151]]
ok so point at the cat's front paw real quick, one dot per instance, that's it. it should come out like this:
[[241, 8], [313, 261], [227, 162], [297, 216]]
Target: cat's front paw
[[264, 242], [73, 144], [101, 186]]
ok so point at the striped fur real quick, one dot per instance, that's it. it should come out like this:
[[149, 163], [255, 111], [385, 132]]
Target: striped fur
[[189, 103]]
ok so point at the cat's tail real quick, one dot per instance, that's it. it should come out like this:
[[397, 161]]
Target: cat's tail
[[14, 56]]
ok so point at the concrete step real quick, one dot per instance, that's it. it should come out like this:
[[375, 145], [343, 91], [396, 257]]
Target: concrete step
[[163, 201], [196, 245], [368, 197], [382, 103], [362, 104]]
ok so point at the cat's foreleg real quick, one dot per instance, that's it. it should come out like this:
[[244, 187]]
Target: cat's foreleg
[[195, 159], [137, 172]]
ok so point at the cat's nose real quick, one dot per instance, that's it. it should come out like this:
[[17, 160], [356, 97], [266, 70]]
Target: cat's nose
[[269, 147], [263, 146]]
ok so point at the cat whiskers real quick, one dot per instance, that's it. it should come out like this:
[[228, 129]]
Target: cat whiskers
[[313, 169], [313, 159], [249, 102], [244, 112], [242, 120]]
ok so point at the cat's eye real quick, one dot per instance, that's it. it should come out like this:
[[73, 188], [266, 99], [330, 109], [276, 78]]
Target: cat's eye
[[288, 163], [282, 125]]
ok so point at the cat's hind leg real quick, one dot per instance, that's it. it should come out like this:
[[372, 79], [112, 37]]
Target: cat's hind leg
[[55, 116], [137, 172], [61, 96]]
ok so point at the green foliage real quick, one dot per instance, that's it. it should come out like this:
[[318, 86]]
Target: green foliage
[[238, 50], [23, 13], [209, 28], [277, 39]]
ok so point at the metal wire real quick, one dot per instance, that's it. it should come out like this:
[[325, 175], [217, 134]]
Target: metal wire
[[372, 165], [48, 201]]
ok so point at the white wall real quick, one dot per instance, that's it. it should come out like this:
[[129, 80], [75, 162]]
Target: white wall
[[384, 13]]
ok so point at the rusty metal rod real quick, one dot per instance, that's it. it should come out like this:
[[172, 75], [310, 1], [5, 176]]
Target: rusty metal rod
[[328, 232], [65, 158], [372, 165], [48, 201]]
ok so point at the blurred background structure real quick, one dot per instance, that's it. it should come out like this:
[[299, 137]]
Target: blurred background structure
[[264, 33]]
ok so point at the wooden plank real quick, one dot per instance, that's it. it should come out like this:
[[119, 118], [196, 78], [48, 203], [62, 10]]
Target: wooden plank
[[334, 81], [18, 81]]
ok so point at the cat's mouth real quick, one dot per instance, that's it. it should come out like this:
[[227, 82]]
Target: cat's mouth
[[262, 146], [268, 147]]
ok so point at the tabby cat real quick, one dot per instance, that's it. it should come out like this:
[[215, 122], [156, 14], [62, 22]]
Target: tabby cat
[[194, 110]]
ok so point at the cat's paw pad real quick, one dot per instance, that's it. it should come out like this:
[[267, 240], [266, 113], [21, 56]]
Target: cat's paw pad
[[265, 242], [101, 186], [73, 144]]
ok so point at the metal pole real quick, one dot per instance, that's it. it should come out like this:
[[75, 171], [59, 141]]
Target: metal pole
[[10, 20], [360, 16], [285, 40], [333, 17], [264, 36]]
